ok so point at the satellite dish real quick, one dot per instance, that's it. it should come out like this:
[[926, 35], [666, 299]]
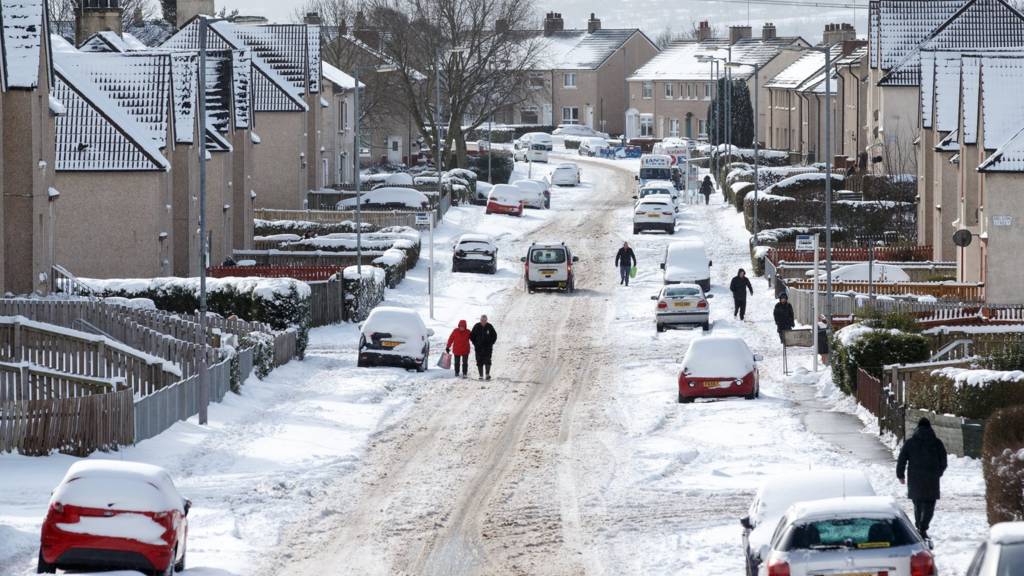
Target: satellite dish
[[962, 238]]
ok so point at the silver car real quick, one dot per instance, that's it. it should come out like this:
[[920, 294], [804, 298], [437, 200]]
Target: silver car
[[1003, 554], [859, 535], [682, 305]]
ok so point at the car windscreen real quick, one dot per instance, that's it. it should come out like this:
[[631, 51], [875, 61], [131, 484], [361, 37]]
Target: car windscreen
[[655, 174], [649, 191], [852, 533], [682, 291], [538, 147], [472, 246], [1011, 558], [547, 256]]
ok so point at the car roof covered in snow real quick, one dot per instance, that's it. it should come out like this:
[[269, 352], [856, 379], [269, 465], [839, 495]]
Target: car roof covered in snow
[[118, 485], [1007, 533], [657, 184], [778, 493], [531, 185], [476, 238], [391, 195], [505, 193], [858, 506], [393, 319], [718, 356]]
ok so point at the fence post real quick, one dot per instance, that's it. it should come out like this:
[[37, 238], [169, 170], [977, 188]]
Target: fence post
[[16, 353]]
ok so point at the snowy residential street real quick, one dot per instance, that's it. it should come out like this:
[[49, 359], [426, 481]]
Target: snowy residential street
[[575, 459]]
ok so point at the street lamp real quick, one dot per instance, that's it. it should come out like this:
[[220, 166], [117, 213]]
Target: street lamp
[[384, 68], [715, 73], [757, 70], [827, 50]]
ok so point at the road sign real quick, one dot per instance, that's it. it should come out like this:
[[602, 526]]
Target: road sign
[[798, 338], [962, 238], [422, 218], [805, 243]]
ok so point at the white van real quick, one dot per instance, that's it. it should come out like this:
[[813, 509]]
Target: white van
[[655, 167], [549, 266], [530, 152], [686, 262]]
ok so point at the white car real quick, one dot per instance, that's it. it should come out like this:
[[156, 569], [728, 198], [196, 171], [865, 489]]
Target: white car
[[530, 152], [532, 193], [542, 138], [393, 336], [1003, 554], [654, 213], [777, 494], [577, 130], [549, 266], [566, 174], [855, 535], [682, 305], [592, 146], [686, 262], [660, 187]]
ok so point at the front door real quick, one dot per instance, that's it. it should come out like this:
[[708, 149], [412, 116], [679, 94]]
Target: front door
[[394, 149], [590, 116], [325, 172]]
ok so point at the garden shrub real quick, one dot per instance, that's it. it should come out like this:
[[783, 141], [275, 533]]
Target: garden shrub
[[807, 186], [768, 176], [302, 227], [1002, 462], [740, 190], [964, 392], [501, 166], [871, 350], [362, 293], [856, 218]]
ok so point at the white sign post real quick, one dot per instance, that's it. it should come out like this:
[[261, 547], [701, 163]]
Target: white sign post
[[806, 243], [428, 219]]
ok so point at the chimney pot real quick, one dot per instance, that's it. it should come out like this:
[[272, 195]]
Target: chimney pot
[[93, 16], [594, 24]]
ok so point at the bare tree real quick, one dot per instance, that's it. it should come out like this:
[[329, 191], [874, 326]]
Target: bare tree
[[64, 10]]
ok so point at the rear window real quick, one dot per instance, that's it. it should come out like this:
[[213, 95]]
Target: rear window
[[1010, 560], [855, 533], [652, 205], [681, 291], [475, 246], [547, 256], [665, 191]]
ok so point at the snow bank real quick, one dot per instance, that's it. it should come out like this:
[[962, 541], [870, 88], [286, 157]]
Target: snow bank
[[978, 378], [140, 303], [278, 238], [369, 273], [849, 335]]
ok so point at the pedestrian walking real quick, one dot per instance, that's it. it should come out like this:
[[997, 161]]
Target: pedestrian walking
[[707, 188], [921, 463], [784, 317], [625, 259], [739, 286], [458, 346], [483, 338]]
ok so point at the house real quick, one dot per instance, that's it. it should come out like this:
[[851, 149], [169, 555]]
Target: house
[[670, 95], [26, 148], [580, 76], [846, 91], [337, 127], [1002, 238], [852, 71]]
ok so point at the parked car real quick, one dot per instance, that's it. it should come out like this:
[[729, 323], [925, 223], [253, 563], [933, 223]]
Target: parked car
[[549, 266], [393, 336], [532, 194], [592, 146], [682, 305], [718, 367], [542, 138], [505, 199], [475, 253], [778, 493], [654, 213], [855, 535], [389, 198], [660, 187], [545, 185], [686, 262], [1002, 554], [530, 152], [115, 515], [566, 174], [578, 130]]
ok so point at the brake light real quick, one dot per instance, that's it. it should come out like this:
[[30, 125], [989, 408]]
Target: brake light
[[702, 304], [662, 304], [778, 569], [667, 213], [922, 564]]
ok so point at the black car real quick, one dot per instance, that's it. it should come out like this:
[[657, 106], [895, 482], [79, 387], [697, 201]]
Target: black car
[[475, 253]]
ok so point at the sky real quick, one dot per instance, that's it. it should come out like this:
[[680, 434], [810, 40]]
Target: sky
[[651, 16]]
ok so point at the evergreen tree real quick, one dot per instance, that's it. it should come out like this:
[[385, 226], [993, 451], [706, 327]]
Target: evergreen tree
[[741, 113]]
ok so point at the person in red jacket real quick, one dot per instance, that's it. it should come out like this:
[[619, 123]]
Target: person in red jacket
[[458, 346]]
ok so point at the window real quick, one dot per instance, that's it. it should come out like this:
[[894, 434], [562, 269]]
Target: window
[[702, 128], [668, 90], [536, 80], [647, 90], [343, 116], [673, 128], [689, 91], [569, 80], [689, 125], [707, 90], [529, 115], [570, 115], [647, 125], [547, 256]]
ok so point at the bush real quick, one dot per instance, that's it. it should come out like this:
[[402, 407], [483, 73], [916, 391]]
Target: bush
[[1003, 465], [740, 190], [302, 227], [768, 176], [395, 265], [873, 350], [571, 144], [1010, 359], [808, 186], [954, 391], [501, 165], [887, 188], [856, 218], [362, 293], [902, 321]]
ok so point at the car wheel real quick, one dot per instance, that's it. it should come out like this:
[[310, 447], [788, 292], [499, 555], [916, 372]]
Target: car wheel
[[636, 230], [684, 399], [180, 565], [671, 230], [360, 363], [659, 327], [43, 568], [706, 326]]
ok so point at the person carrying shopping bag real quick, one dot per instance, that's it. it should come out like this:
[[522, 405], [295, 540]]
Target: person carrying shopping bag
[[458, 346]]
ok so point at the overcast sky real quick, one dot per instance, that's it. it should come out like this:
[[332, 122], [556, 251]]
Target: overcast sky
[[650, 15]]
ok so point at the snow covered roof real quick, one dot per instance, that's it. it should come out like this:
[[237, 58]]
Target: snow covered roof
[[108, 41], [579, 49], [898, 26], [1007, 158], [800, 73], [681, 60], [340, 79], [1001, 111], [24, 30], [118, 485], [970, 74], [978, 24]]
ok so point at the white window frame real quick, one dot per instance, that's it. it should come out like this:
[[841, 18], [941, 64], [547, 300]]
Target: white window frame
[[646, 126], [647, 89], [569, 80], [669, 90], [573, 116], [342, 117], [673, 127], [707, 90], [533, 77], [702, 128]]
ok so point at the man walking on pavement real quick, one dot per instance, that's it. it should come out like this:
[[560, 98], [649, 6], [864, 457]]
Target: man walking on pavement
[[625, 259], [784, 317], [739, 287], [921, 463], [483, 338], [706, 189]]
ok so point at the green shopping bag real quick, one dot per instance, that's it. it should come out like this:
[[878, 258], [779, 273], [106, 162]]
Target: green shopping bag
[[632, 272]]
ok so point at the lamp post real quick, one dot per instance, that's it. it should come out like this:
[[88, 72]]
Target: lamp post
[[204, 376], [713, 131], [757, 70], [827, 50], [355, 156]]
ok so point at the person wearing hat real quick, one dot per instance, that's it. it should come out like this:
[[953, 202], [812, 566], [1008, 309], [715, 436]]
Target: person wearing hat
[[784, 317], [920, 466]]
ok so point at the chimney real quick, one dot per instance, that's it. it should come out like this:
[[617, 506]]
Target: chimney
[[703, 31], [189, 9], [768, 31], [836, 33], [737, 33], [313, 19], [95, 16], [553, 23], [500, 26], [594, 24]]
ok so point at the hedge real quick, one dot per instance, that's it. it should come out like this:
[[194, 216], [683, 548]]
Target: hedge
[[303, 227], [944, 392], [857, 218], [886, 188], [740, 190], [1002, 461], [807, 186], [501, 164], [769, 176], [873, 350], [362, 293]]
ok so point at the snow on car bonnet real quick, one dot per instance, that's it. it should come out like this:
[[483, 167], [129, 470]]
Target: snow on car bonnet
[[117, 485], [718, 357]]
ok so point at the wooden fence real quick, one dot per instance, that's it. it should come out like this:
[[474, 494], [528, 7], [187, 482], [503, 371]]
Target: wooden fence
[[303, 273], [327, 302], [377, 218], [943, 291], [852, 254], [78, 425], [162, 409]]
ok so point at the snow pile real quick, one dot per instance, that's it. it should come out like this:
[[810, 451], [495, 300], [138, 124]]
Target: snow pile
[[278, 238], [391, 257], [991, 329], [140, 303], [978, 378], [368, 273], [849, 335], [390, 195]]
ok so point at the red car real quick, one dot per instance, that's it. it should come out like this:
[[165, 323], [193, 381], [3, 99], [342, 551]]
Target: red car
[[718, 367], [113, 515], [505, 199]]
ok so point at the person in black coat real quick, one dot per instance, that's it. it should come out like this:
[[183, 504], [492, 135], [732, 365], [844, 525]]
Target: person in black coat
[[625, 259], [739, 287], [921, 463], [784, 317], [707, 188], [483, 338]]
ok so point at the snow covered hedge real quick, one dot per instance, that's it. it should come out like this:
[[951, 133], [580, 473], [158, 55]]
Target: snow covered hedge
[[302, 228], [857, 218], [770, 176], [1003, 465], [362, 293], [967, 392], [805, 186], [863, 346]]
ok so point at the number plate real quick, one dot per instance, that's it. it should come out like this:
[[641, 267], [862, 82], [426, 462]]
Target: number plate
[[389, 343], [681, 304], [717, 384], [653, 214]]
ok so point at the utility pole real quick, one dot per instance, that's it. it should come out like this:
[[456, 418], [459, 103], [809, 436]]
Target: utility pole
[[204, 376], [828, 188], [355, 173]]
